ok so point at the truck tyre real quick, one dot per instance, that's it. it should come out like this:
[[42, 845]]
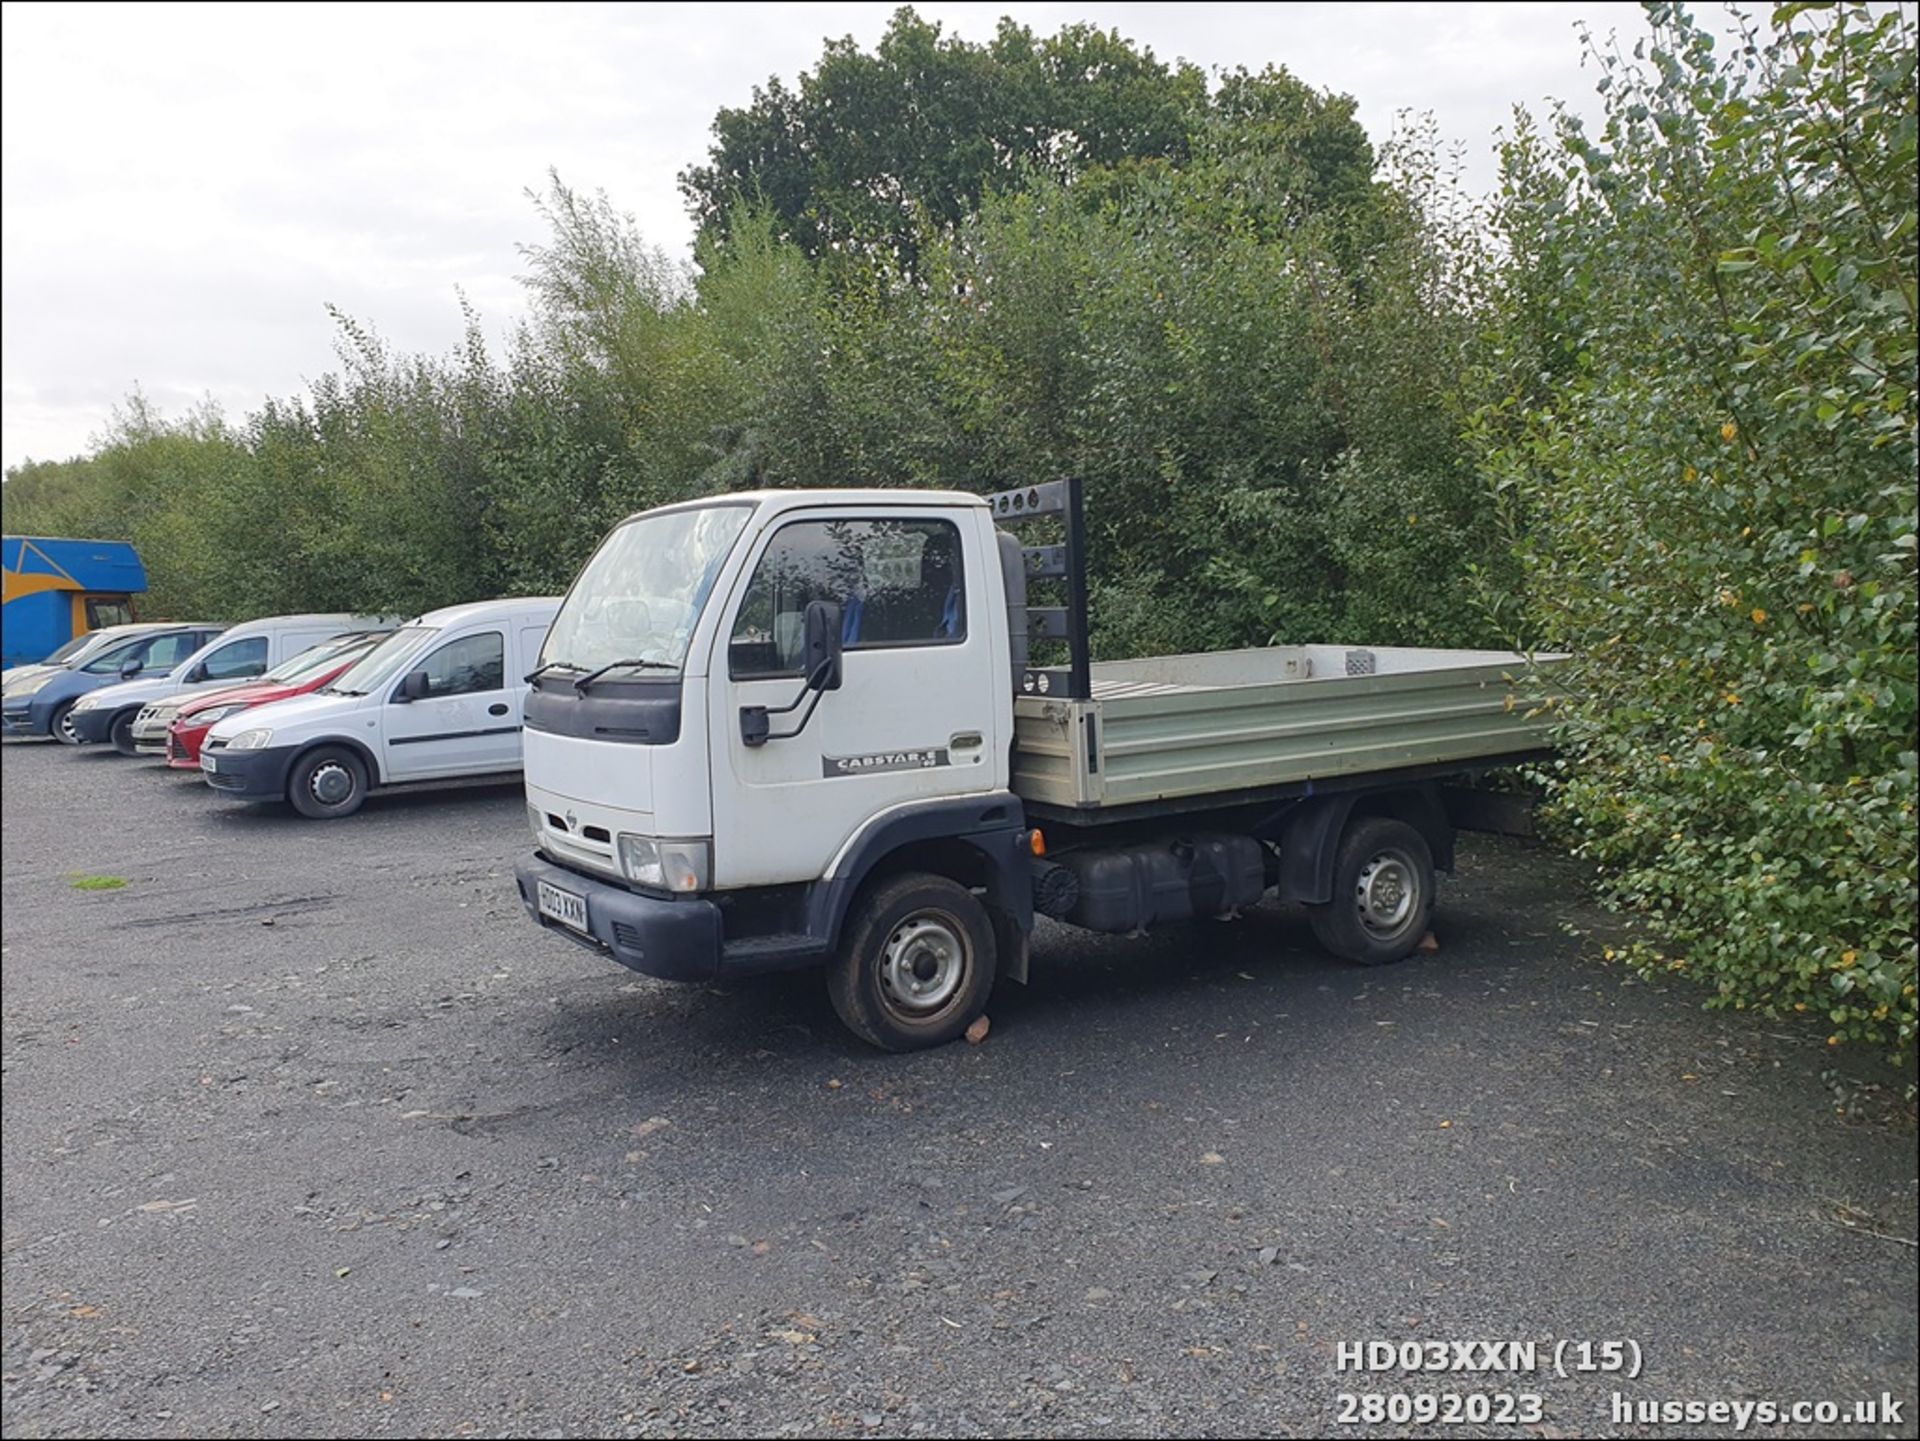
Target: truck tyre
[[327, 783], [60, 726], [1382, 893], [915, 965], [121, 733]]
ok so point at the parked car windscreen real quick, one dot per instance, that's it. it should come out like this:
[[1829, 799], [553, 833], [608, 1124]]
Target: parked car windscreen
[[382, 662], [640, 594], [72, 648], [318, 658]]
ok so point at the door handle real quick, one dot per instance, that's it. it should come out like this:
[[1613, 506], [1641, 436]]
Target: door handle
[[964, 741], [497, 708]]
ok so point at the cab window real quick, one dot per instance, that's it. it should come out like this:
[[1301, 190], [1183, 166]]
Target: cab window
[[897, 582], [239, 660], [472, 663], [103, 611]]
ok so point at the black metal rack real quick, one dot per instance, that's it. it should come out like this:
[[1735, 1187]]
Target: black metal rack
[[1067, 562]]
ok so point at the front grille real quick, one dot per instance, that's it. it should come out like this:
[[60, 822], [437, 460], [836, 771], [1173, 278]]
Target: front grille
[[213, 743], [175, 751], [627, 936]]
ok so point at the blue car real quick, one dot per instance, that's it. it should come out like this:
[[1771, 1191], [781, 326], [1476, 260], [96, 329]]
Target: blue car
[[39, 705]]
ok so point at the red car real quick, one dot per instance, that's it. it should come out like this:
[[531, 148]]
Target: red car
[[305, 672]]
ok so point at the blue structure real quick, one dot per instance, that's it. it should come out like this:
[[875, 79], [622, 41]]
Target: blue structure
[[55, 590]]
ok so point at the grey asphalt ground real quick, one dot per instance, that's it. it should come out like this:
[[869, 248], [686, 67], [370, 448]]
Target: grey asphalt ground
[[309, 1132]]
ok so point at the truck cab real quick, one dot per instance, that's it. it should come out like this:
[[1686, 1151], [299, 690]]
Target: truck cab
[[796, 728]]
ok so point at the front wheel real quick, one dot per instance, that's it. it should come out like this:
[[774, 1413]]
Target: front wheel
[[61, 726], [327, 783], [122, 734], [1382, 893], [916, 965]]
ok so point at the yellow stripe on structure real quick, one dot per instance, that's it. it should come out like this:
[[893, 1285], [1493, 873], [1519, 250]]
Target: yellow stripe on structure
[[14, 584]]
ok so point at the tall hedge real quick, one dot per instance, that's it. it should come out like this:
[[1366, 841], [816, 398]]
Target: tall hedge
[[1708, 441]]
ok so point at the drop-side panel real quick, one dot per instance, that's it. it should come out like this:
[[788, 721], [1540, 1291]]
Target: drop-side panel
[[1177, 726]]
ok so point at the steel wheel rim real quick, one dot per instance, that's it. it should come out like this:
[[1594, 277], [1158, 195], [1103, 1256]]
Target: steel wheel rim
[[330, 783], [923, 965], [1386, 894]]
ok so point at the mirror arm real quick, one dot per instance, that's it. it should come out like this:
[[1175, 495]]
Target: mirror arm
[[754, 730]]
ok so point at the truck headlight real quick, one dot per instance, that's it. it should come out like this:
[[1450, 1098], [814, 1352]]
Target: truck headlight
[[683, 865], [252, 740]]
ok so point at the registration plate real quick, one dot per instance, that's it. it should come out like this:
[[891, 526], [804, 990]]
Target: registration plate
[[563, 906], [208, 763]]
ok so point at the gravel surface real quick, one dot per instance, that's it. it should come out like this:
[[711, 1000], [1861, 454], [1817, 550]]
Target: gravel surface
[[309, 1132]]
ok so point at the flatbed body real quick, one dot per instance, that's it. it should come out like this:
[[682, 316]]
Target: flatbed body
[[1182, 729]]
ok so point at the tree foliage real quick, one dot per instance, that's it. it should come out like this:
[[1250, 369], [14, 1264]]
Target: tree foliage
[[1710, 439]]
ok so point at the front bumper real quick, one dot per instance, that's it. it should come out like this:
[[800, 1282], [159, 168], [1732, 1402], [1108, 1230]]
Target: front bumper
[[183, 746], [24, 719], [150, 735], [672, 939], [259, 775], [92, 726]]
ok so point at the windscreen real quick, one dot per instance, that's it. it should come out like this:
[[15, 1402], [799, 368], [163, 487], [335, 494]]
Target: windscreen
[[72, 648], [641, 593], [317, 658], [383, 661]]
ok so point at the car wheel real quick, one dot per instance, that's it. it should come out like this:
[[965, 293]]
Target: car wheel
[[916, 965], [327, 783], [60, 726], [122, 733], [1382, 893]]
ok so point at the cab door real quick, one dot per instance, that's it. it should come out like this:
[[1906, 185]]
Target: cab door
[[467, 723], [914, 718]]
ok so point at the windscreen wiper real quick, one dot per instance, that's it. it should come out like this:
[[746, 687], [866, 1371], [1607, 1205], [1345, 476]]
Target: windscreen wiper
[[533, 675], [593, 675]]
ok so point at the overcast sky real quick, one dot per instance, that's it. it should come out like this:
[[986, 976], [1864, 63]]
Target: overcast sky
[[186, 186]]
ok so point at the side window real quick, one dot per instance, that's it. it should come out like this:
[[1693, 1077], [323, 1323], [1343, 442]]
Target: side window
[[169, 650], [109, 661], [898, 583], [472, 663], [102, 613], [239, 660]]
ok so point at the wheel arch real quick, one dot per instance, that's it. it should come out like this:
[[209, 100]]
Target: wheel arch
[[1309, 842], [345, 743], [976, 841]]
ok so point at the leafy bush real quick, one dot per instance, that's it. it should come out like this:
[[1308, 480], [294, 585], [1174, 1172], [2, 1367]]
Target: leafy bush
[[1710, 443]]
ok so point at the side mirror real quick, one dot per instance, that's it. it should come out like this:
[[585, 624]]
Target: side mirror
[[130, 667], [197, 674], [823, 645], [821, 660], [414, 687]]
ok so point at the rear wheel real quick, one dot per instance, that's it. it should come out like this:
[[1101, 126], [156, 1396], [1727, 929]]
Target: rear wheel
[[122, 733], [1382, 893], [327, 783], [60, 726], [916, 965]]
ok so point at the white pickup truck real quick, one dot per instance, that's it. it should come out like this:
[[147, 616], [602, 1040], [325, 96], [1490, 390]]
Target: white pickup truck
[[802, 728]]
